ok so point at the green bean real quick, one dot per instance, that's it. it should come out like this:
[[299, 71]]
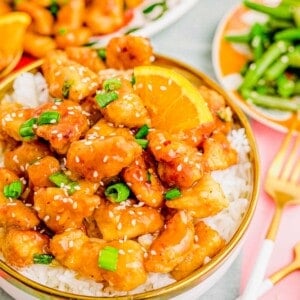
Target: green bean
[[273, 102], [290, 34], [239, 38], [282, 11], [296, 15], [285, 86], [297, 87], [294, 57], [257, 69], [276, 24], [277, 68]]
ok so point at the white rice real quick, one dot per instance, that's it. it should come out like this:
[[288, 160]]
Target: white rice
[[235, 181]]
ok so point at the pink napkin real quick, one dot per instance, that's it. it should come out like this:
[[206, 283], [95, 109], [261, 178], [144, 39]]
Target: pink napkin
[[268, 141]]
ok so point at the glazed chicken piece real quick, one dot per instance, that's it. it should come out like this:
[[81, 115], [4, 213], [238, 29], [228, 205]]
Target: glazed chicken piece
[[128, 109], [222, 114], [67, 79], [61, 211], [73, 249], [104, 129], [42, 19], [126, 220], [172, 245], [104, 17], [217, 152], [144, 182], [70, 15], [18, 159], [127, 52], [40, 170], [208, 243], [38, 45], [20, 246], [100, 158], [130, 272], [179, 164], [203, 199], [13, 119], [71, 125], [72, 37], [6, 177], [87, 57], [17, 214]]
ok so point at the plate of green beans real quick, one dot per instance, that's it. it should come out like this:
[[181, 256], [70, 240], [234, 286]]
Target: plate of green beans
[[256, 57]]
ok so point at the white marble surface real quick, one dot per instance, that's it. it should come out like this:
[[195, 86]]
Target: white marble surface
[[190, 40]]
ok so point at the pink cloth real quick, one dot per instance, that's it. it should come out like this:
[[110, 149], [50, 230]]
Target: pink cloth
[[269, 141]]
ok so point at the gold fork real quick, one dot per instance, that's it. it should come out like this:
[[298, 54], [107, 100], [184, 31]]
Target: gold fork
[[283, 186]]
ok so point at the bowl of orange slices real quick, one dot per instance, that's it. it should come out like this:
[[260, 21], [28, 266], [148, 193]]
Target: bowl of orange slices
[[128, 174]]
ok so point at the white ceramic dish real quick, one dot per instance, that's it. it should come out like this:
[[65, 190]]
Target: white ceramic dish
[[228, 60], [146, 24]]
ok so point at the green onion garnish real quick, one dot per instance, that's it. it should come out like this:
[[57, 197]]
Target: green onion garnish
[[108, 258], [133, 80], [54, 8], [63, 181], [62, 31], [66, 88], [172, 194], [112, 84], [102, 53], [132, 29], [13, 190], [142, 142], [103, 99], [44, 259], [142, 132], [48, 117], [117, 192], [152, 8], [26, 129]]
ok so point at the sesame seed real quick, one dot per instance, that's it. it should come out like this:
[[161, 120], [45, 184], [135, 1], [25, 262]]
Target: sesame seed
[[87, 143], [15, 159], [46, 218], [71, 244], [75, 205], [163, 88], [60, 136], [119, 226], [150, 88], [111, 214], [179, 168], [105, 158], [145, 255], [95, 174], [133, 222], [57, 218], [122, 252], [77, 159], [196, 238], [153, 252]]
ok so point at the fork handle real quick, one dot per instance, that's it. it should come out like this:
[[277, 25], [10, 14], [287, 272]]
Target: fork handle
[[256, 278]]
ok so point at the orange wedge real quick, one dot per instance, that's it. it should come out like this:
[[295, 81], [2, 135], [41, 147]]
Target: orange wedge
[[12, 29], [173, 102]]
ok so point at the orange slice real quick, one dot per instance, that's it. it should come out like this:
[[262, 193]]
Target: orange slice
[[12, 29], [173, 102]]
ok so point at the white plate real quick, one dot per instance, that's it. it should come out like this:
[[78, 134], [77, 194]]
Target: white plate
[[228, 59], [147, 25]]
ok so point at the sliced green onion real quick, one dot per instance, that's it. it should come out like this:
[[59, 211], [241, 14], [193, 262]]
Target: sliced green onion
[[151, 9], [132, 29], [62, 31], [48, 117], [63, 181], [142, 132], [117, 192], [103, 99], [90, 44], [108, 258], [54, 8], [142, 142], [26, 129], [133, 80], [66, 88], [44, 259], [102, 53], [112, 84], [172, 194], [13, 190]]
